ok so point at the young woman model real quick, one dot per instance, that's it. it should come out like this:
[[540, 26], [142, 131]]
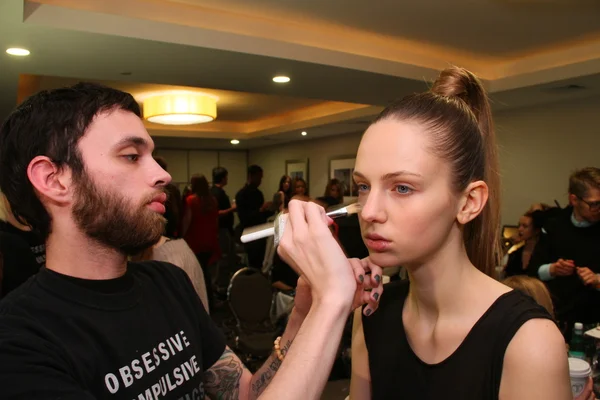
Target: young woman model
[[427, 175]]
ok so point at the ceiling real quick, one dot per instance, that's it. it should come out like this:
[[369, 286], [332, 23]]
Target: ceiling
[[463, 25], [346, 59]]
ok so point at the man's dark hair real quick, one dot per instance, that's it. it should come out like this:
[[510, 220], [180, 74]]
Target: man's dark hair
[[219, 174], [254, 169], [50, 123]]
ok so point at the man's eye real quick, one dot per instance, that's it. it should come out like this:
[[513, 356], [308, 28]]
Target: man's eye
[[131, 157]]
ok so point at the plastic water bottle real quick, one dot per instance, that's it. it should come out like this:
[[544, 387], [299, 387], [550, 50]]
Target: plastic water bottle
[[577, 346]]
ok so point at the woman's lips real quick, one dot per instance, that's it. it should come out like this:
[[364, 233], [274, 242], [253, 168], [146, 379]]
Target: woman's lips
[[376, 242]]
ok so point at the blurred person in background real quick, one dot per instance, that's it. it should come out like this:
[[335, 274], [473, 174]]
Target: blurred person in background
[[567, 255], [282, 197], [253, 210], [220, 177], [200, 228], [529, 230]]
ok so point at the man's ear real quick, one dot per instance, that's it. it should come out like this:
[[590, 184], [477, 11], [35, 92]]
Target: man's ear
[[49, 180], [573, 199], [472, 201]]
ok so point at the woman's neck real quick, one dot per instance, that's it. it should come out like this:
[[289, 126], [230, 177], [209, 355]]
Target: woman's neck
[[530, 243], [436, 289], [446, 283]]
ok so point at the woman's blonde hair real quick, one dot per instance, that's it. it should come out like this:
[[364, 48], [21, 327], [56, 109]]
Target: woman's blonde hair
[[532, 287]]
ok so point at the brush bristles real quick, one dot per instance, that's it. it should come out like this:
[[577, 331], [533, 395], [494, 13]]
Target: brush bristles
[[353, 208]]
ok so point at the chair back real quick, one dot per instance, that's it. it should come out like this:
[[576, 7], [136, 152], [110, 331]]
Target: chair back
[[250, 297]]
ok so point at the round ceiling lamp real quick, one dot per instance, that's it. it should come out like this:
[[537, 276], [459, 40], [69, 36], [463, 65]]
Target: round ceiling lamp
[[17, 51], [281, 79], [180, 108]]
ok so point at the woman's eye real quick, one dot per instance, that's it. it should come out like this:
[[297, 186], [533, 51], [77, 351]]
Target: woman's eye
[[403, 189], [362, 187]]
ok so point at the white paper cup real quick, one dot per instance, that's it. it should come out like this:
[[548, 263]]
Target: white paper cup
[[580, 372]]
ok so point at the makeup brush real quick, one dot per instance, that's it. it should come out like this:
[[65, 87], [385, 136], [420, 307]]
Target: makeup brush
[[278, 226]]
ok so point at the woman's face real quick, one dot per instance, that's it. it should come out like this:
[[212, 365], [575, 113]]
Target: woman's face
[[334, 191], [409, 210], [300, 188], [526, 229], [286, 184]]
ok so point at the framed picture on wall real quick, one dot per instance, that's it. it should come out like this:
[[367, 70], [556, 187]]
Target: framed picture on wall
[[342, 169], [297, 169]]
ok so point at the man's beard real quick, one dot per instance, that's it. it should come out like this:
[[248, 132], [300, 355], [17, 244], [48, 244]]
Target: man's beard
[[113, 221]]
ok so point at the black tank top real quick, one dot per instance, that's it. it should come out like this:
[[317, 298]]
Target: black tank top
[[473, 371]]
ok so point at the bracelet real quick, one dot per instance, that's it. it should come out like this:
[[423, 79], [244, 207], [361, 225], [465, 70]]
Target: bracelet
[[278, 352]]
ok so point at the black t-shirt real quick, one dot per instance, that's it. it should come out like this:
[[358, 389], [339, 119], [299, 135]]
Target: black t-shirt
[[472, 372], [249, 201], [144, 335], [36, 244], [18, 262], [225, 221]]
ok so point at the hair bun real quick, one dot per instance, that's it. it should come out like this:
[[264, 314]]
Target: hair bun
[[459, 83]]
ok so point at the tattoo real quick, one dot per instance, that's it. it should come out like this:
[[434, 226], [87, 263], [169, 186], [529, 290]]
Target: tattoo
[[263, 376], [222, 380]]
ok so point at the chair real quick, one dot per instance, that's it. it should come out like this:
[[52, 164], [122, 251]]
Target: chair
[[250, 299]]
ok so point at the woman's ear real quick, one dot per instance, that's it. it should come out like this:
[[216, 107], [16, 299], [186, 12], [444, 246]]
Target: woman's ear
[[472, 202]]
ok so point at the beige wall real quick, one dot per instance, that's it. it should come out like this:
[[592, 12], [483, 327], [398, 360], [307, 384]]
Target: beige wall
[[539, 148], [318, 151]]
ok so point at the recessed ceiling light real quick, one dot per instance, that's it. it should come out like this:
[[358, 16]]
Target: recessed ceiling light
[[281, 79], [304, 133], [15, 51], [235, 141]]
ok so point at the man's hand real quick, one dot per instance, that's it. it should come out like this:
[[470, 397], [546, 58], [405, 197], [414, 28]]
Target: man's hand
[[562, 268], [266, 206], [587, 276], [309, 248]]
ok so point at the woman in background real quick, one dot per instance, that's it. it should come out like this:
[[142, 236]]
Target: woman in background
[[334, 193], [300, 190], [283, 195], [201, 227], [530, 227]]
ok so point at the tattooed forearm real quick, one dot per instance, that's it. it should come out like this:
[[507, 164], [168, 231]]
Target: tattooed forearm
[[263, 376], [222, 380]]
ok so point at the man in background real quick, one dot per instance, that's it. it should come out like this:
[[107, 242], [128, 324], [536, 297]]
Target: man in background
[[567, 256], [252, 210], [220, 177]]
